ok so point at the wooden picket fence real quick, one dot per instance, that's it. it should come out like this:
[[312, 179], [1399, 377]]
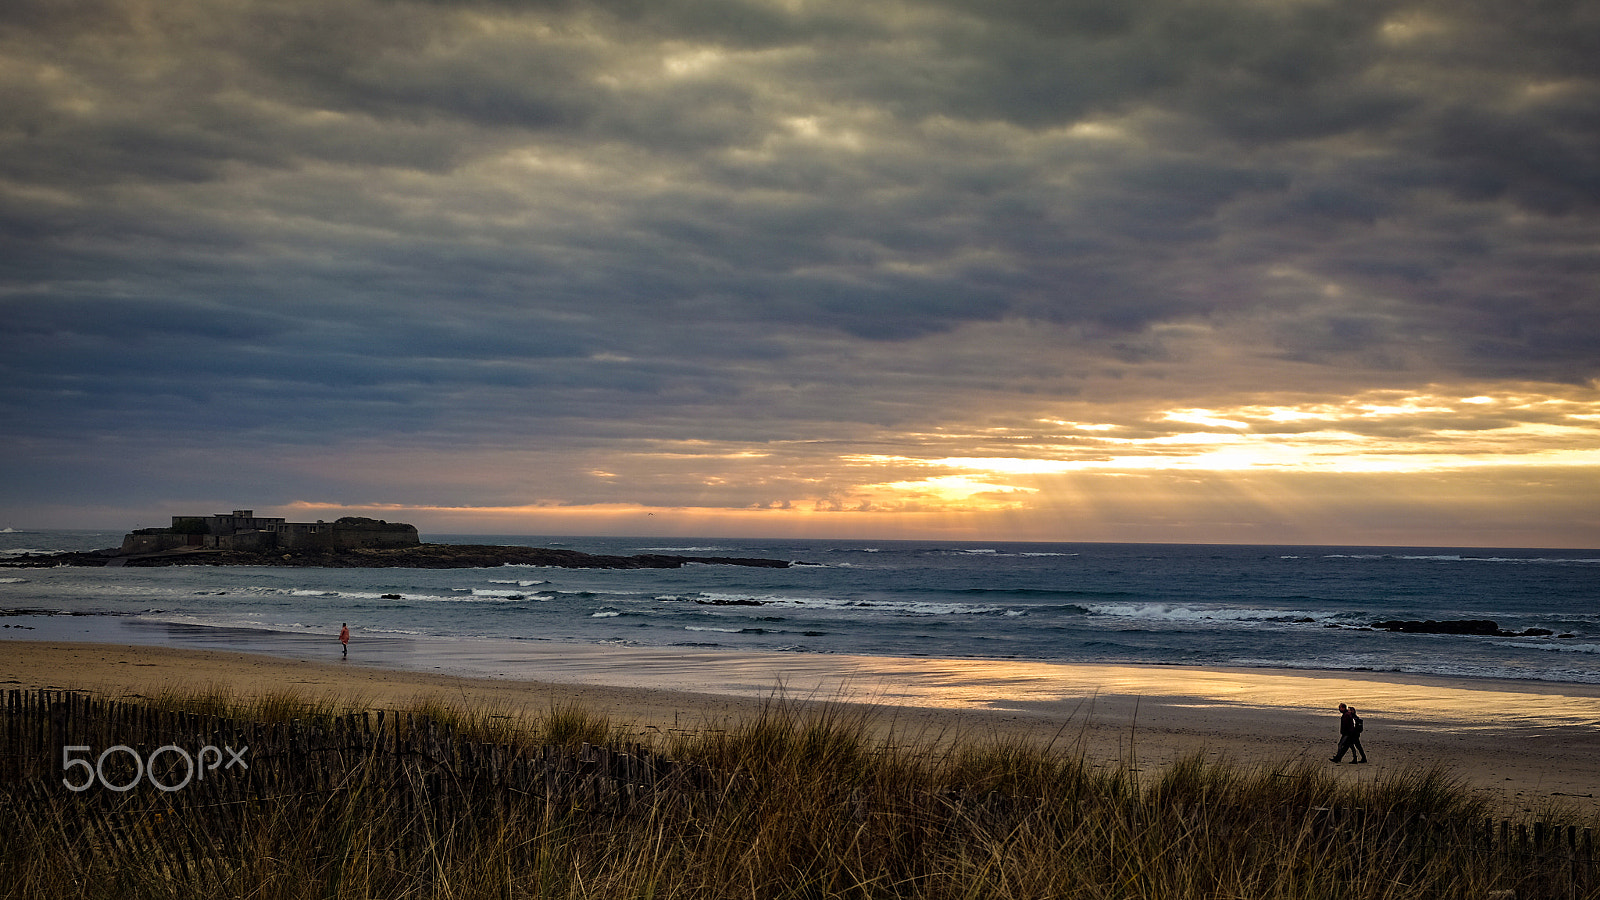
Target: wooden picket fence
[[254, 761], [178, 788], [181, 790]]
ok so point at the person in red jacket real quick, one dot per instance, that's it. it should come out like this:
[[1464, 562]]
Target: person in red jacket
[[344, 639]]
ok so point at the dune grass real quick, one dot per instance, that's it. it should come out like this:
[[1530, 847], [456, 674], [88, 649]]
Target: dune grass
[[819, 801]]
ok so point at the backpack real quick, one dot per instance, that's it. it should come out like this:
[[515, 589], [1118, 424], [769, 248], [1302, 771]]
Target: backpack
[[1358, 724]]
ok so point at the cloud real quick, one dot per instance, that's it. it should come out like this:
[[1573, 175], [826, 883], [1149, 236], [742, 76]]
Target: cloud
[[575, 228]]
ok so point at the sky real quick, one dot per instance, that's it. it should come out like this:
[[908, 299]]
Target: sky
[[1250, 271]]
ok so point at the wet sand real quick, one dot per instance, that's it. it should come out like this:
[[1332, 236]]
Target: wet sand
[[1527, 744]]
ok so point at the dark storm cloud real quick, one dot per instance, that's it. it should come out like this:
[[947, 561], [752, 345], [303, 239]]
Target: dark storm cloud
[[742, 218]]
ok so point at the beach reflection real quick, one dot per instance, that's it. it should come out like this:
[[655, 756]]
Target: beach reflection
[[1402, 701]]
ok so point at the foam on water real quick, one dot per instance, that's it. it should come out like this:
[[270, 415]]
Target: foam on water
[[1104, 604]]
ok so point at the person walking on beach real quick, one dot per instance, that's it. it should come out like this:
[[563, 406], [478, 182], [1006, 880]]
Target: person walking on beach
[[1349, 735], [344, 639]]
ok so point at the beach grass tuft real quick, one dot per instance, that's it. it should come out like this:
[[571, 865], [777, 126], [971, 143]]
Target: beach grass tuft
[[818, 800]]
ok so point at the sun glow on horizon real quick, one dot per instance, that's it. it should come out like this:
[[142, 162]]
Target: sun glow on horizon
[[1167, 468], [1412, 434]]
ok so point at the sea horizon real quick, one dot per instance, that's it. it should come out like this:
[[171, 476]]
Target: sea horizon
[[557, 539]]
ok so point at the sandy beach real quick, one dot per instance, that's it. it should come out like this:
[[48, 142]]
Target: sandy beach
[[1529, 745]]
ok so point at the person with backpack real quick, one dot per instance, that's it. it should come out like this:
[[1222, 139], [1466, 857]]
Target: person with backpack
[[1349, 735]]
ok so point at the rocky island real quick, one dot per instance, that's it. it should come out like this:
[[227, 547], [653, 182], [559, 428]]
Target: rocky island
[[420, 556], [353, 542]]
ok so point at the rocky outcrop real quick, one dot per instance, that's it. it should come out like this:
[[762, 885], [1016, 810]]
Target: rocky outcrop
[[1481, 627], [420, 556]]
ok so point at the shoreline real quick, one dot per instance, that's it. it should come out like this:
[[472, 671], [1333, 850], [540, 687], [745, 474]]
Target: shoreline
[[1412, 700], [1529, 745]]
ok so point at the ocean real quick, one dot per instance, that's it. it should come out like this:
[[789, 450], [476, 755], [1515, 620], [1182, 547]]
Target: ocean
[[1290, 607]]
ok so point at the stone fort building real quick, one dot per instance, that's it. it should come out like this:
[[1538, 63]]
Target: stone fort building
[[244, 530]]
